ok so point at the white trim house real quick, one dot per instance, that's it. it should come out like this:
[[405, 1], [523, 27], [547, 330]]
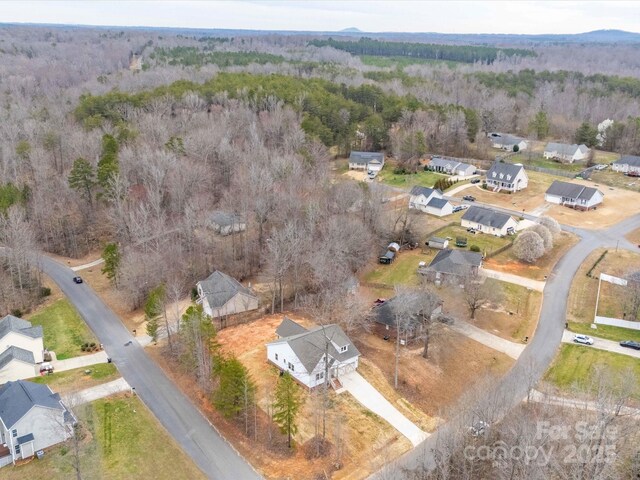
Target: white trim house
[[21, 349], [627, 164], [32, 418], [489, 221], [574, 195], [507, 176], [222, 295], [451, 167], [307, 354], [565, 152], [368, 161], [507, 142]]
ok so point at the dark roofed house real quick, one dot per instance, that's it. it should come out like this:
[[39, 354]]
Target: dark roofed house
[[21, 348], [17, 363], [222, 295], [507, 142], [452, 266], [507, 176], [384, 316], [487, 220], [574, 195], [369, 161], [451, 166], [565, 152], [226, 223], [302, 353], [627, 164], [32, 418]]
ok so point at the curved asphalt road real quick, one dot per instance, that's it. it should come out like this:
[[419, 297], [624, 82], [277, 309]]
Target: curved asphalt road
[[184, 422], [540, 351]]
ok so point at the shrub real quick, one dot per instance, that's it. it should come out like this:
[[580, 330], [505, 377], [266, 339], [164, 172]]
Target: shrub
[[545, 234], [45, 291], [529, 246], [474, 248], [551, 223], [16, 312]]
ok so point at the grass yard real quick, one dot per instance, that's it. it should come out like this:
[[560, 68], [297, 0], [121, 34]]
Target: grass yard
[[537, 160], [508, 263], [486, 242], [616, 180], [123, 440], [617, 334], [576, 365], [403, 271], [64, 329], [77, 379], [422, 178]]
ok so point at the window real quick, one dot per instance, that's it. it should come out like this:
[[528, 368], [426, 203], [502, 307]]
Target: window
[[17, 449], [319, 376], [291, 367], [343, 349], [14, 433], [276, 356]]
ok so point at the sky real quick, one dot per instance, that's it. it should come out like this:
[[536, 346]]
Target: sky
[[514, 16]]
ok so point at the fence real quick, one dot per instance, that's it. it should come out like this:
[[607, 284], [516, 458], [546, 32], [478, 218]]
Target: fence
[[550, 171], [617, 322]]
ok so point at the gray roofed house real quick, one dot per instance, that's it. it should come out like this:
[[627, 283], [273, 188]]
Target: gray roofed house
[[451, 166], [627, 164], [302, 354], [16, 353], [373, 161], [426, 191], [289, 328], [10, 324], [573, 195], [566, 152], [437, 202], [437, 242], [507, 176], [223, 295], [488, 221], [429, 200], [452, 265], [506, 141], [32, 418], [385, 316], [226, 223]]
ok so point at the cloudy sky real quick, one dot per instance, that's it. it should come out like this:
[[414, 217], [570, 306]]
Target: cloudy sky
[[373, 16]]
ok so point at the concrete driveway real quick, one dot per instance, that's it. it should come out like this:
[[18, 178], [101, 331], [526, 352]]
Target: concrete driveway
[[370, 398], [512, 349], [87, 395], [515, 279], [79, 362], [602, 344]]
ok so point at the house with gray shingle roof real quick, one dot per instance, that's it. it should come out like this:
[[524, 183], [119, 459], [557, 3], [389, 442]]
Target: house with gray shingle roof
[[17, 363], [573, 195], [507, 176], [565, 152], [507, 142], [21, 348], [222, 295], [226, 223], [429, 200], [368, 161], [308, 353], [450, 166], [486, 220], [627, 164], [452, 266], [385, 318], [32, 418]]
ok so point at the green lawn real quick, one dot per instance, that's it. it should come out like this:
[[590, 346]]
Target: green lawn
[[77, 379], [422, 178], [402, 271], [487, 243], [617, 334], [64, 329], [537, 160], [577, 364], [123, 441]]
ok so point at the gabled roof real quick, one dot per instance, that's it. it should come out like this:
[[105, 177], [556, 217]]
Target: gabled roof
[[385, 314], [507, 140], [25, 439], [571, 190], [288, 328], [310, 345], [16, 353], [17, 398], [426, 191], [225, 219], [443, 162], [437, 202], [14, 324], [365, 157], [219, 288], [458, 262], [486, 216], [632, 160], [565, 148], [509, 171], [437, 240]]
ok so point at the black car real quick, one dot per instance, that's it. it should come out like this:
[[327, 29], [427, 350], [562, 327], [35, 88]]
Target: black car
[[630, 344], [475, 180], [469, 198], [77, 280]]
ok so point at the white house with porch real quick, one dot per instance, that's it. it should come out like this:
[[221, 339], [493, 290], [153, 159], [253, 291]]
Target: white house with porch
[[507, 176], [307, 353]]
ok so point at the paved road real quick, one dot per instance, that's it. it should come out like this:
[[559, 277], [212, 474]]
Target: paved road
[[174, 410], [602, 344], [537, 356], [372, 399]]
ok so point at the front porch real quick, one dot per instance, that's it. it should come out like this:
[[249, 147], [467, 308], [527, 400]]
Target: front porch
[[5, 456]]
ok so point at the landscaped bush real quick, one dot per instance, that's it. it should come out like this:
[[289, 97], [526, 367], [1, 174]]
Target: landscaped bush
[[45, 291], [529, 246], [474, 248], [16, 312]]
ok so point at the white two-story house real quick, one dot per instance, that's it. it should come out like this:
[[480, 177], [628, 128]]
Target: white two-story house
[[507, 176]]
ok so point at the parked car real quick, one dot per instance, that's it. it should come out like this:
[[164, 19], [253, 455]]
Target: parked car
[[601, 166], [469, 198], [630, 344], [583, 339], [475, 180], [459, 208], [471, 230], [77, 279]]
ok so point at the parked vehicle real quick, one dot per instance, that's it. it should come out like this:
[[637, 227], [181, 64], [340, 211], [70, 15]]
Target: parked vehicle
[[459, 208], [77, 280], [630, 344], [475, 180], [583, 339], [469, 198], [471, 230]]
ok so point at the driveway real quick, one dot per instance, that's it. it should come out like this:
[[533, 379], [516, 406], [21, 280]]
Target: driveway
[[175, 411], [92, 394], [602, 344], [79, 362], [88, 265], [564, 402], [370, 398], [512, 349], [515, 279]]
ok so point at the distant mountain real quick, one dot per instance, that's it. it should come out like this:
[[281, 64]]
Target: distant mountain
[[351, 30]]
